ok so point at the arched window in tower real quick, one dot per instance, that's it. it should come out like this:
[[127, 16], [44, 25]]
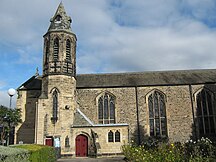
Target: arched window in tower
[[206, 114], [157, 114], [68, 50], [56, 49], [110, 136], [106, 109], [55, 107], [46, 52], [58, 19]]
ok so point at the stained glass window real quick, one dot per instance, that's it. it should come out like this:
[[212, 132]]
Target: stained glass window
[[106, 109], [157, 114], [55, 106], [110, 136], [206, 116], [117, 136]]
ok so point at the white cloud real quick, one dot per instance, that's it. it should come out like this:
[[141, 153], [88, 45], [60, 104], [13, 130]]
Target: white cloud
[[118, 35]]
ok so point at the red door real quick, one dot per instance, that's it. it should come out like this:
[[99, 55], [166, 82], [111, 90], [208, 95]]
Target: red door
[[81, 146], [49, 141]]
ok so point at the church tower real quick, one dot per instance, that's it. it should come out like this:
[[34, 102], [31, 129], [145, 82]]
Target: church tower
[[59, 46], [57, 102]]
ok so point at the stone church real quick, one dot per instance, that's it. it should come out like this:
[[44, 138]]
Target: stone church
[[95, 114]]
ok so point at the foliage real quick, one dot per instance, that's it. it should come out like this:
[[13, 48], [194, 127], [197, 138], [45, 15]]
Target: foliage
[[9, 118], [191, 151], [39, 152], [8, 154], [202, 148]]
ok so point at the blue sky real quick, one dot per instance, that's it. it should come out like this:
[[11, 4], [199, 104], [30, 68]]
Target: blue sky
[[113, 36]]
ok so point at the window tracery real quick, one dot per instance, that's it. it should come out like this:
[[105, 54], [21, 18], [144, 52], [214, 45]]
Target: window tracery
[[157, 114], [106, 109], [206, 115]]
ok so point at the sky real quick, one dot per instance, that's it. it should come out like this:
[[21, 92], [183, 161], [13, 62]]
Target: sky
[[113, 36]]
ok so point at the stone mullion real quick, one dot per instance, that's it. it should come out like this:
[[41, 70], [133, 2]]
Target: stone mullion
[[103, 111], [153, 105], [207, 107], [159, 106], [108, 109], [201, 104], [214, 114]]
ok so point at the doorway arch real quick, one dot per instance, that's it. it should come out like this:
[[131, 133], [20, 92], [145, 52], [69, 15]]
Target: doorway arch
[[81, 146]]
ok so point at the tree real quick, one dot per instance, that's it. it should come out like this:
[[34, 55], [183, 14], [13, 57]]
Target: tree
[[9, 118]]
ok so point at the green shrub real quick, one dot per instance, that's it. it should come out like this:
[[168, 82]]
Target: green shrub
[[39, 153], [201, 151], [8, 154]]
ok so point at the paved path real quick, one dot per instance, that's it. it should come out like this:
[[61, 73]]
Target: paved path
[[102, 159]]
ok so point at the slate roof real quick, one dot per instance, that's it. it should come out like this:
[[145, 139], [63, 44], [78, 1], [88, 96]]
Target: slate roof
[[177, 77], [34, 83], [151, 78], [80, 119]]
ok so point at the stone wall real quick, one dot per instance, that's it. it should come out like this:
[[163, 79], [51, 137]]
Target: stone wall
[[66, 105], [26, 101], [178, 108], [125, 104], [103, 147]]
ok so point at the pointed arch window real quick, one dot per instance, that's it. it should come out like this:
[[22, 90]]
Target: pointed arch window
[[46, 52], [206, 115], [58, 18], [67, 144], [117, 136], [106, 109], [56, 49], [157, 114], [68, 50], [110, 136], [55, 106]]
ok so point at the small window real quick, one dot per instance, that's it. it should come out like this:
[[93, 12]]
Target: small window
[[58, 18], [67, 142], [110, 136], [117, 136]]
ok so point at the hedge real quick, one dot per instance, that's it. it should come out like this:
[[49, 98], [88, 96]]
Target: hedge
[[39, 153], [8, 154]]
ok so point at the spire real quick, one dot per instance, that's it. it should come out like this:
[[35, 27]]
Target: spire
[[60, 21]]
